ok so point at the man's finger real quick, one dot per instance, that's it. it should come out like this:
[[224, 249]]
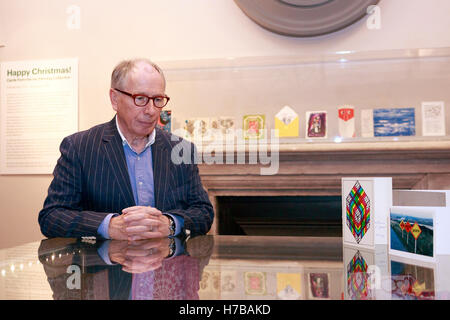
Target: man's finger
[[145, 235], [138, 209], [143, 222]]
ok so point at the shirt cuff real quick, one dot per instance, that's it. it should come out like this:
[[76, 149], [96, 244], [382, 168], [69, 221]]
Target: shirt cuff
[[179, 222], [179, 248], [103, 252], [104, 226]]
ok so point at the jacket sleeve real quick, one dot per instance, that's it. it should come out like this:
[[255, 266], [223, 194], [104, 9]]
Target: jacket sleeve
[[197, 211], [62, 214]]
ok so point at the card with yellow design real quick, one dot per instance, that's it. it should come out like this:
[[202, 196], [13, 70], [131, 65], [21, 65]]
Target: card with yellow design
[[286, 123], [289, 286]]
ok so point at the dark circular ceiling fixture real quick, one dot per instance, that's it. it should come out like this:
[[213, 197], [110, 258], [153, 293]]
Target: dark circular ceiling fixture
[[305, 18]]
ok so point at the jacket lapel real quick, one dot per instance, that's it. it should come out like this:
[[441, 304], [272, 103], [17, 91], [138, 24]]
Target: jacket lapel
[[161, 172], [114, 153]]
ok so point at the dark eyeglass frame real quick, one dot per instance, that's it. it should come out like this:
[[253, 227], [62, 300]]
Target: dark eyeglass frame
[[134, 96]]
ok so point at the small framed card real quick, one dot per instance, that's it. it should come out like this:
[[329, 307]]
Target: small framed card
[[254, 126], [433, 118], [316, 124]]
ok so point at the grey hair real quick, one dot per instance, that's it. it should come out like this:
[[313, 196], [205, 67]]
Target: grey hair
[[124, 67]]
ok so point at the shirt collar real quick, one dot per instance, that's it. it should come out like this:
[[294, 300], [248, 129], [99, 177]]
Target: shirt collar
[[151, 137]]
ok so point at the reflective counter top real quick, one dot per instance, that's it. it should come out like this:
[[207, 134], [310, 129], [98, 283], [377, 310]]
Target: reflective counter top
[[215, 268]]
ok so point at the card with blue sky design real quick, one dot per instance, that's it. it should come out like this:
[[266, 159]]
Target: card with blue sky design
[[394, 122]]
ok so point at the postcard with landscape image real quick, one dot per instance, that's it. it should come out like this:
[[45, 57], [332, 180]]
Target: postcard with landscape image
[[412, 232]]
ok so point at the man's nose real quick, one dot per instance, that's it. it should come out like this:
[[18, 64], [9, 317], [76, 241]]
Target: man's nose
[[150, 107]]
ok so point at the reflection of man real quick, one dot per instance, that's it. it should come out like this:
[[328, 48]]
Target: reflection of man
[[143, 273], [116, 180]]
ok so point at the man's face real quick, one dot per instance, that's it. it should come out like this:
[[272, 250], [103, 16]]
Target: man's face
[[134, 121]]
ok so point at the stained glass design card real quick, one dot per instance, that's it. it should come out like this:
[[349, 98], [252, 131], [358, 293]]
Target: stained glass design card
[[394, 122], [316, 124], [365, 208], [366, 273], [357, 276]]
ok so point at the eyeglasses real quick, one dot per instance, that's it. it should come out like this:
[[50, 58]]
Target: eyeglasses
[[141, 100]]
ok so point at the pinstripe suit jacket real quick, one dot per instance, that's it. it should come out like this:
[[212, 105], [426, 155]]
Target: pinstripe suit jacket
[[91, 180]]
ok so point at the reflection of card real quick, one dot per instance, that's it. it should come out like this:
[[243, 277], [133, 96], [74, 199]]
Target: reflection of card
[[316, 124], [228, 282], [255, 283], [254, 126], [318, 284], [289, 286], [357, 277], [412, 282], [210, 281], [286, 123], [433, 118]]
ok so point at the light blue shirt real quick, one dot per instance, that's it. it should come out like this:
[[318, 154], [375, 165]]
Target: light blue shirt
[[140, 170]]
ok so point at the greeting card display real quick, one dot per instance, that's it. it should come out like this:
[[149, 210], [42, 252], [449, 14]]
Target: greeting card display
[[365, 208]]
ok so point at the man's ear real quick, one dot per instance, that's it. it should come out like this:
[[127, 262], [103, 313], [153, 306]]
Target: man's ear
[[113, 96]]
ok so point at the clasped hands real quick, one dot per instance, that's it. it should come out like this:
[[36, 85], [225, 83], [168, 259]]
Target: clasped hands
[[139, 256], [139, 223]]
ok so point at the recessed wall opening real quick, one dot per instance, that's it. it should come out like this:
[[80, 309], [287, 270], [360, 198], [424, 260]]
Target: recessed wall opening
[[280, 215]]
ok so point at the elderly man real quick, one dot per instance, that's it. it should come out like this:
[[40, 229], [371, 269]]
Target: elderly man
[[116, 180]]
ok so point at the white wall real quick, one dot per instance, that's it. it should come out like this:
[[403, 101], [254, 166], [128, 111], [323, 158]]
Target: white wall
[[165, 30]]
